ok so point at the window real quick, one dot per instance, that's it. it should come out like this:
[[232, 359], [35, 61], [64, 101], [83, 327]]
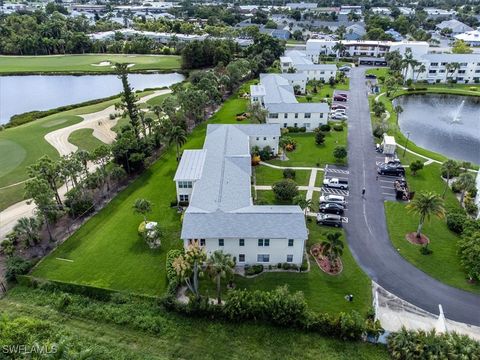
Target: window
[[265, 258], [241, 257], [241, 242], [202, 242], [434, 64], [461, 71], [296, 115], [185, 184], [183, 198], [432, 71], [273, 116], [307, 115], [289, 258], [285, 125], [255, 98], [263, 242], [295, 125], [443, 63], [321, 115], [306, 125], [258, 138], [221, 242], [285, 116], [441, 71], [290, 242], [264, 138]]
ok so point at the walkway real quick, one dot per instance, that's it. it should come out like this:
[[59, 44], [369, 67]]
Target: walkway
[[100, 122], [367, 232]]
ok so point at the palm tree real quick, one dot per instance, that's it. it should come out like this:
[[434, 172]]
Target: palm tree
[[178, 136], [332, 247], [28, 228], [303, 202], [420, 70], [220, 265], [465, 182], [339, 48], [449, 167], [84, 157], [408, 62], [451, 68], [142, 207], [426, 204]]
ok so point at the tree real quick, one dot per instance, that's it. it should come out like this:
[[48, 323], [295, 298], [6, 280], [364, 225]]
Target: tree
[[339, 48], [101, 156], [424, 205], [449, 168], [421, 69], [340, 153], [332, 246], [258, 113], [84, 157], [378, 108], [303, 202], [28, 229], [188, 266], [416, 166], [465, 182], [408, 62], [451, 68], [128, 99], [142, 207], [178, 136], [220, 265], [47, 169], [461, 47], [469, 251], [285, 189], [319, 137]]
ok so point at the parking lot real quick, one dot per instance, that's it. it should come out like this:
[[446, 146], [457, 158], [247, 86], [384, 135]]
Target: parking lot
[[386, 183], [332, 171]]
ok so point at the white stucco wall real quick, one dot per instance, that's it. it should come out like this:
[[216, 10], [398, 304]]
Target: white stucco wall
[[315, 120]]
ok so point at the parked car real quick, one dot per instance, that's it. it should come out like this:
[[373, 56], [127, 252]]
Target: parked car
[[338, 107], [391, 170], [370, 76], [331, 208], [344, 68], [345, 95], [338, 111], [329, 219], [336, 183], [336, 199], [337, 116], [339, 98]]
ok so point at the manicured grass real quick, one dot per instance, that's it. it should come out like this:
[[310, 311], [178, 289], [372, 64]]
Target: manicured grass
[[268, 176], [319, 179], [85, 63], [324, 91], [444, 263], [308, 153], [107, 252], [84, 139], [157, 100], [216, 340], [267, 197]]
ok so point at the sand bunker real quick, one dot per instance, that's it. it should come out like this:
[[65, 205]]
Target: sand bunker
[[103, 63]]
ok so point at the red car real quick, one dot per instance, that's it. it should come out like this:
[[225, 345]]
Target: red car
[[338, 106], [339, 98], [342, 94]]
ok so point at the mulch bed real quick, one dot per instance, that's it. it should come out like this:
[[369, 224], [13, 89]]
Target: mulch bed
[[323, 262], [413, 239]]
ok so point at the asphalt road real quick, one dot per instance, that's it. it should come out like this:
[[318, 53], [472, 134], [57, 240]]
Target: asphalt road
[[367, 231]]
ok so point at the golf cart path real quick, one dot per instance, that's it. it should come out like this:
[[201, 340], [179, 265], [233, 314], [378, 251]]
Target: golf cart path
[[98, 121], [59, 140], [367, 232]]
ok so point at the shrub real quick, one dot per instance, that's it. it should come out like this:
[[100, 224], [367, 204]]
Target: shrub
[[294, 266], [415, 166], [470, 207], [304, 266], [456, 221], [340, 153], [253, 270], [279, 265], [15, 265], [172, 255], [425, 250], [319, 138], [79, 202], [285, 189], [378, 131], [286, 266], [288, 143], [63, 301], [338, 127], [266, 153], [289, 173], [174, 203], [325, 127]]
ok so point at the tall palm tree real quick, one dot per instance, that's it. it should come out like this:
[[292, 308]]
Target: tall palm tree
[[339, 48], [426, 204], [332, 246], [408, 62], [449, 167], [465, 182], [303, 202], [451, 68], [220, 265], [28, 229], [421, 69], [178, 136]]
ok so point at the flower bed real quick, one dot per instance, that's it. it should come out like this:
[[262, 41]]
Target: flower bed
[[413, 239], [323, 262]]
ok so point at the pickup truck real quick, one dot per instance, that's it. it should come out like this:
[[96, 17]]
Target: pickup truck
[[336, 183]]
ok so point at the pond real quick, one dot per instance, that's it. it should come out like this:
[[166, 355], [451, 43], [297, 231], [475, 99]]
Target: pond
[[447, 124], [20, 94]]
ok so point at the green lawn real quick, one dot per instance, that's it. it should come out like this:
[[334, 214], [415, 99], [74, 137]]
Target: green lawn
[[268, 176], [216, 340], [324, 91], [444, 263], [84, 139], [85, 63], [308, 153]]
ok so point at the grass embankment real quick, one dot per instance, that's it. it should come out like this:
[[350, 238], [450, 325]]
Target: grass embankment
[[90, 63], [216, 340], [25, 144], [107, 252]]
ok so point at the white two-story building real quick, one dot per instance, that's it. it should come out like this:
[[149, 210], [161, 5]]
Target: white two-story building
[[276, 94], [221, 214], [300, 63]]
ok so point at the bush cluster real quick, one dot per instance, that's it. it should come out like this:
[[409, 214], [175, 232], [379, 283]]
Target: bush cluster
[[289, 173], [294, 129], [325, 127], [253, 270], [15, 266], [456, 221], [338, 127]]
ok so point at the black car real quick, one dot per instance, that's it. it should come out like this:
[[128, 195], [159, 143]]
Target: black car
[[329, 220], [371, 76], [391, 170], [331, 208]]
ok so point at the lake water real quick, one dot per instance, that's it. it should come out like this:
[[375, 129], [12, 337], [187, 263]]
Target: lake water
[[20, 94], [447, 124]]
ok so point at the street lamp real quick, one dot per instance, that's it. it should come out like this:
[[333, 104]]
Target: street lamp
[[406, 143]]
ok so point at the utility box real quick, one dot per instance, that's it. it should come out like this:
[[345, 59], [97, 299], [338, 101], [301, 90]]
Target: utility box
[[389, 145]]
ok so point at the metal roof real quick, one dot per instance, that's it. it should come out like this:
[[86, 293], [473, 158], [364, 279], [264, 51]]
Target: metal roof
[[191, 165]]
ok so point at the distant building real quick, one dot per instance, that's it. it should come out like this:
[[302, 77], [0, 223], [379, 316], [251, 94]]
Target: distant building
[[456, 26], [381, 10], [302, 5], [406, 10], [394, 34], [275, 93], [354, 32], [345, 10], [472, 38], [281, 34], [434, 13]]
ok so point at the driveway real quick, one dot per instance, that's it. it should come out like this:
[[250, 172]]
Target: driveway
[[367, 232]]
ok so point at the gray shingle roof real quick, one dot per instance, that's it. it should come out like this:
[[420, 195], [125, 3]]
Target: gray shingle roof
[[191, 165]]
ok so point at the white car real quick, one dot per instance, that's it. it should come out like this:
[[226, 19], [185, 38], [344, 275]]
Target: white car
[[338, 116], [338, 111], [337, 199]]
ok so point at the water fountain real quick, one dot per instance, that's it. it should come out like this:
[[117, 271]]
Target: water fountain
[[456, 115]]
